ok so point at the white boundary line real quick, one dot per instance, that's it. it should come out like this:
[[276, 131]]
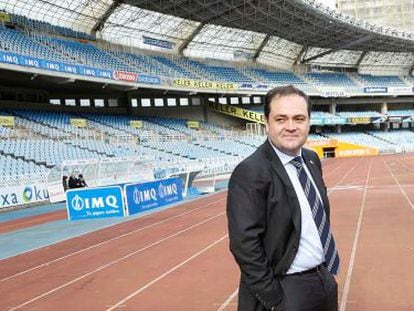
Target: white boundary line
[[228, 300], [331, 172], [348, 277], [121, 221], [116, 261], [400, 187], [110, 240], [335, 187], [141, 289]]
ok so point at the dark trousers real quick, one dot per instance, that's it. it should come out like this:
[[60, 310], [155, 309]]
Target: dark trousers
[[316, 291]]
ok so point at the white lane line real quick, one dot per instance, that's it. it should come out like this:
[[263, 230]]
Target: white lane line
[[362, 187], [348, 277], [331, 172], [110, 240], [332, 189], [400, 187], [228, 300], [141, 289], [115, 261]]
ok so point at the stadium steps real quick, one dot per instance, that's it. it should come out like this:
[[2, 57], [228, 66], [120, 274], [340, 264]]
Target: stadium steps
[[217, 150], [244, 143], [47, 125], [126, 62], [94, 125], [33, 133], [104, 154], [168, 127], [189, 68], [255, 77], [28, 160], [310, 81], [40, 40], [381, 138], [164, 150], [354, 78], [407, 81]]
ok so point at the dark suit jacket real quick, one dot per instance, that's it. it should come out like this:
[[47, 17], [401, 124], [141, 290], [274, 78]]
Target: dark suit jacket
[[264, 222]]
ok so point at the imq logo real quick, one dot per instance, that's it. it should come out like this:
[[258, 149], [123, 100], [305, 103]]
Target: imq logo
[[78, 203], [167, 190], [144, 195]]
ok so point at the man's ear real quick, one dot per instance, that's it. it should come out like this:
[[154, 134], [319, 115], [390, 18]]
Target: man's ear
[[266, 125]]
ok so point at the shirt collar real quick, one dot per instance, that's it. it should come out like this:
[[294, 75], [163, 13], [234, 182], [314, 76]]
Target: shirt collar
[[284, 158]]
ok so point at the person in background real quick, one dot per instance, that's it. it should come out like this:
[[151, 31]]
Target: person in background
[[279, 216], [81, 181], [65, 182], [73, 181]]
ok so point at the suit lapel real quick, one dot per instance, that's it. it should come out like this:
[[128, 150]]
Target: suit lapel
[[278, 167]]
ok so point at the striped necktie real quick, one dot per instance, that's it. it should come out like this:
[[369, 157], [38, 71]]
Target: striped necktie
[[319, 216]]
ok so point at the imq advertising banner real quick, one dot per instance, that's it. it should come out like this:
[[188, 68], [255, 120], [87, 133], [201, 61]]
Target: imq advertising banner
[[150, 195], [88, 203]]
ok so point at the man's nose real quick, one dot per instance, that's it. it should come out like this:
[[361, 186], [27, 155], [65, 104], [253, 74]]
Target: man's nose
[[290, 125]]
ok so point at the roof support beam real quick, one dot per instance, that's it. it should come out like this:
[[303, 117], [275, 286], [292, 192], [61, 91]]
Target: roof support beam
[[342, 47], [261, 47], [187, 41], [300, 55], [410, 72], [361, 58], [210, 20], [101, 22]]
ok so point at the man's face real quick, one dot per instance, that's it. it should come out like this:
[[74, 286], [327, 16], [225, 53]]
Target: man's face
[[288, 123]]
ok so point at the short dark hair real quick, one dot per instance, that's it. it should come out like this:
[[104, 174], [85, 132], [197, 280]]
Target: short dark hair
[[284, 91]]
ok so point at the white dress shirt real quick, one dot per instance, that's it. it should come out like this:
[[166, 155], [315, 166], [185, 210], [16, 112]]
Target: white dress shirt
[[310, 252]]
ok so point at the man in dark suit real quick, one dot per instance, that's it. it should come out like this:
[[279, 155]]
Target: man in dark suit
[[278, 216]]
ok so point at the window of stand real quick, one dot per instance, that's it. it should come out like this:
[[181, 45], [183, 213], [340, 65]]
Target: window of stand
[[85, 102], [223, 100], [99, 102], [245, 100], [257, 100], [113, 102], [55, 101], [184, 102], [159, 102], [171, 102], [145, 102], [70, 102], [234, 100], [196, 101]]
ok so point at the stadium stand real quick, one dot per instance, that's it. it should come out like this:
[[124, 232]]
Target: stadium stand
[[380, 80], [41, 140], [404, 139], [88, 53], [12, 40], [365, 139], [40, 26]]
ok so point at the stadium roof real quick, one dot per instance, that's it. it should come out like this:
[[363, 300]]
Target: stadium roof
[[282, 32], [306, 23]]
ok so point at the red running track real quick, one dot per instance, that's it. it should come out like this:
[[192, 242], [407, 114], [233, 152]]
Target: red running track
[[178, 259]]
